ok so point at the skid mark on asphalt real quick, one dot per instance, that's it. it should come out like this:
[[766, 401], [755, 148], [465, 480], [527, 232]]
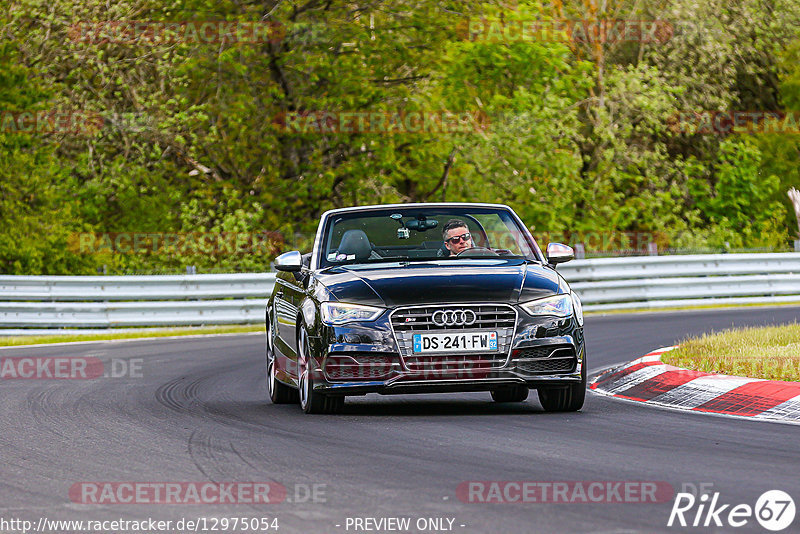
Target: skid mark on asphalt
[[219, 461], [173, 395], [38, 404]]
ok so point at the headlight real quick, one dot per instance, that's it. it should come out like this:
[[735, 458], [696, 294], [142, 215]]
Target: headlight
[[558, 305], [340, 313], [576, 303]]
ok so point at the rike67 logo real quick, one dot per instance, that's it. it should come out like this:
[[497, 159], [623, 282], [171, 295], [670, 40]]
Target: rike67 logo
[[774, 510]]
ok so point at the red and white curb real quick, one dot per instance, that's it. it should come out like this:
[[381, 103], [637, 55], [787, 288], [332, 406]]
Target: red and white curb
[[649, 380]]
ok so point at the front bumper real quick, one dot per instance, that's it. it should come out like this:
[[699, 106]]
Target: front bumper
[[402, 385], [341, 347]]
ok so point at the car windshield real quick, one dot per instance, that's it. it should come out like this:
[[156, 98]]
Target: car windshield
[[417, 234]]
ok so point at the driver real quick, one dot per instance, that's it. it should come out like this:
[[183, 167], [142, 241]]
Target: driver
[[456, 236]]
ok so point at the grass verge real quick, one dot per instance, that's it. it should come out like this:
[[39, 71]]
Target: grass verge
[[11, 341], [771, 352]]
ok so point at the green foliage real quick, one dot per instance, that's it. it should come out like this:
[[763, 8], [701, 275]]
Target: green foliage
[[741, 202], [578, 137], [36, 207]]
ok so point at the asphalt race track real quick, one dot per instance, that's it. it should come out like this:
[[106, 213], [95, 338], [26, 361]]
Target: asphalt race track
[[196, 411]]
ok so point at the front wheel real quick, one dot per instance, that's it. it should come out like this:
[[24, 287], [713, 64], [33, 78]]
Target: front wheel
[[311, 400], [564, 399], [279, 393]]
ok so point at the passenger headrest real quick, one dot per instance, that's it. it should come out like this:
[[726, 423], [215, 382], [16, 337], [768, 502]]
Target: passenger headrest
[[355, 242]]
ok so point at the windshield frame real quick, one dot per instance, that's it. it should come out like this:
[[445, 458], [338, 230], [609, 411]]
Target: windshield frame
[[318, 262]]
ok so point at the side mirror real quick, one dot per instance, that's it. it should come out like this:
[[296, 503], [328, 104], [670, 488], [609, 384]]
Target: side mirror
[[289, 261], [559, 253]]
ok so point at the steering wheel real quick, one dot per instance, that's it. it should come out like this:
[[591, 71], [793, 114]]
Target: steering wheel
[[476, 252]]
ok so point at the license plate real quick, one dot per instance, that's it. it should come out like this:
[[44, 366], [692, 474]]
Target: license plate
[[456, 342]]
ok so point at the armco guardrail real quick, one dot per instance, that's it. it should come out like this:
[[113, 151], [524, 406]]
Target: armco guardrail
[[123, 301], [669, 281], [46, 302]]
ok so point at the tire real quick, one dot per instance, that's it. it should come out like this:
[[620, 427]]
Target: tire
[[565, 399], [311, 401], [510, 394], [279, 393]]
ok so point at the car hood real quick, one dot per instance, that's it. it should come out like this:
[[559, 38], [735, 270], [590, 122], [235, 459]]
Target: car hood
[[447, 281]]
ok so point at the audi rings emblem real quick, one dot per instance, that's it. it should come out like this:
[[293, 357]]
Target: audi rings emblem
[[454, 317]]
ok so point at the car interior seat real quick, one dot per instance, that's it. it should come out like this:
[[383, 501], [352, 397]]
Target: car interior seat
[[355, 242], [441, 249]]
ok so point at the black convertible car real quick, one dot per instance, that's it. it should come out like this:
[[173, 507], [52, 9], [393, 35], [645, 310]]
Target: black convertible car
[[421, 298]]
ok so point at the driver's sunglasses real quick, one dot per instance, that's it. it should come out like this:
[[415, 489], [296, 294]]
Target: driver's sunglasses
[[463, 237]]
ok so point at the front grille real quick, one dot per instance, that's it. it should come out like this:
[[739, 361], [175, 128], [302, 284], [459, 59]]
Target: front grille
[[545, 359], [360, 366], [489, 316], [500, 318]]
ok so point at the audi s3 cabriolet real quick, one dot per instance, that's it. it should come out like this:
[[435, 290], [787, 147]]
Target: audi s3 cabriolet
[[424, 298]]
